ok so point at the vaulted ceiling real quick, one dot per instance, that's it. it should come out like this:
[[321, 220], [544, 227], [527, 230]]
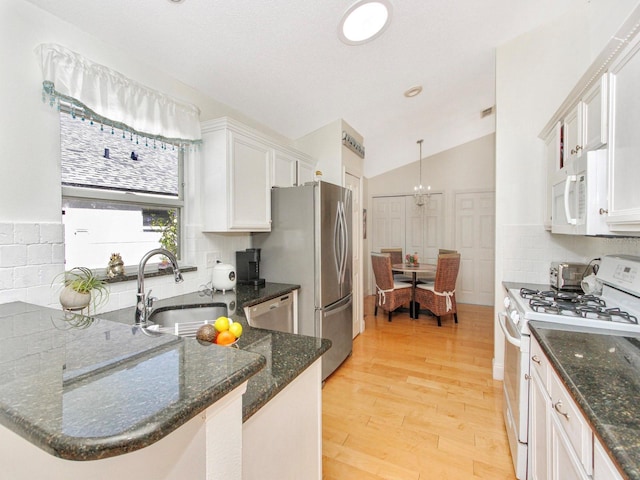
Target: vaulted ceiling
[[281, 63]]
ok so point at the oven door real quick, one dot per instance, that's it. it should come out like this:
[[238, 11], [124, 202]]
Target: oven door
[[516, 392]]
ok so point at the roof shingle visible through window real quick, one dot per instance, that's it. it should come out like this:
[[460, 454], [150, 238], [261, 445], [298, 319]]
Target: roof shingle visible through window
[[84, 164]]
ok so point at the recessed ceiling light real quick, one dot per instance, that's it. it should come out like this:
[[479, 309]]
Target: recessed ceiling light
[[364, 21], [176, 1], [413, 91]]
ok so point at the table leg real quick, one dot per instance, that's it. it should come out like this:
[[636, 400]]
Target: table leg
[[414, 307]]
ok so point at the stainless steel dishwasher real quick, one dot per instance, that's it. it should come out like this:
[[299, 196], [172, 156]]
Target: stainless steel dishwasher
[[275, 314]]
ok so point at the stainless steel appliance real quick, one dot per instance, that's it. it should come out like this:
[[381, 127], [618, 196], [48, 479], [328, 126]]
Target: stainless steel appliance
[[617, 310], [275, 314], [310, 245], [568, 275]]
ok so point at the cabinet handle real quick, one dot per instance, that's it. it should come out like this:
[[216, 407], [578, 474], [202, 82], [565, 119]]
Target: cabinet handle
[[535, 359], [557, 406], [603, 211], [527, 376]]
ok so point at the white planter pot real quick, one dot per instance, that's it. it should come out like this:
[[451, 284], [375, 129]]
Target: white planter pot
[[72, 300]]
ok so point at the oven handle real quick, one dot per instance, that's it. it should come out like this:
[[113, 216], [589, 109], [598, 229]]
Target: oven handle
[[512, 340]]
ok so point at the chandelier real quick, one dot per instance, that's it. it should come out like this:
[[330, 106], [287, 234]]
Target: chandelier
[[419, 191]]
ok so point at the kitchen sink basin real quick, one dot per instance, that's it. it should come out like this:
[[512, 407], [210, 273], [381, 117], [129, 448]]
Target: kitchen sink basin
[[185, 321]]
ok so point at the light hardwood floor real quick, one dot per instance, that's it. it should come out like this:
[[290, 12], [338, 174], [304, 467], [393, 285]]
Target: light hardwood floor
[[417, 402]]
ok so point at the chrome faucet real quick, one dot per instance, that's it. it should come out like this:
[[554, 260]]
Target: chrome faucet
[[144, 302]]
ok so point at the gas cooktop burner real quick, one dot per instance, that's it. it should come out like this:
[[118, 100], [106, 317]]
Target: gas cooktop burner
[[574, 304]]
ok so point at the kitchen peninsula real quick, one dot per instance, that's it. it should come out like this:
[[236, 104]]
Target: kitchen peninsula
[[132, 404]]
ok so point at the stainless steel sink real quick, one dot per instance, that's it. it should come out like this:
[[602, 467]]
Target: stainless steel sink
[[185, 321]]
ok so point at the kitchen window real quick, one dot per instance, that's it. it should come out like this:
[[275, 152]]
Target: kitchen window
[[121, 193], [122, 147]]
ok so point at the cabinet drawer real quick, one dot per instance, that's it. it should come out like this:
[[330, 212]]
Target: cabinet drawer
[[571, 420], [539, 363]]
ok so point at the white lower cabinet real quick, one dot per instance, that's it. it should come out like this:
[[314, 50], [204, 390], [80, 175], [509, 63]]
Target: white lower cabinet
[[539, 407], [603, 467], [561, 441], [283, 440]]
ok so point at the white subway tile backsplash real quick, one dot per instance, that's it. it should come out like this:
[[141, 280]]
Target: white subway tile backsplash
[[26, 233], [6, 278], [52, 233], [13, 255], [6, 233], [529, 250], [39, 254]]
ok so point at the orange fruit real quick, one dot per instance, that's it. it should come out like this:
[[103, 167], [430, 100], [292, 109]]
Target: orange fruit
[[225, 338]]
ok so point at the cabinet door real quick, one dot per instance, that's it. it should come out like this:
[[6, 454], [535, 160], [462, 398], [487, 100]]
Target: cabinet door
[[553, 155], [624, 151], [603, 467], [539, 405], [306, 172], [284, 169], [595, 115], [572, 135], [565, 464], [250, 184]]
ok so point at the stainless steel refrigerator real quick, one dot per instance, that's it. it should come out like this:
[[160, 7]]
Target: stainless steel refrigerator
[[310, 245]]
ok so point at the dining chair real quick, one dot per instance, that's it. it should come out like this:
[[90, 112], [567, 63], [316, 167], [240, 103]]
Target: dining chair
[[390, 295], [396, 257], [440, 296], [431, 277]]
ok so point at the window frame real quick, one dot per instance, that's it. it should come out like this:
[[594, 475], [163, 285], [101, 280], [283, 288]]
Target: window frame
[[137, 199]]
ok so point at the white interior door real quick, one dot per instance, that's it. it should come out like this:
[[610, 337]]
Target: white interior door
[[387, 228], [474, 239], [353, 183], [424, 229]]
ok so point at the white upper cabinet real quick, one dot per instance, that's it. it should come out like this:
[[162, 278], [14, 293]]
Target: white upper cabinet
[[285, 169], [595, 116], [593, 157], [236, 179], [306, 172], [291, 167], [624, 143], [239, 167]]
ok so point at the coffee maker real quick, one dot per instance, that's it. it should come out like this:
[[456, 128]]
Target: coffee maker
[[248, 267]]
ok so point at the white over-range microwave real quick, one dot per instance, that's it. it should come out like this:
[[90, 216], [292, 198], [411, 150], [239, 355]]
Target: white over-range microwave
[[579, 200]]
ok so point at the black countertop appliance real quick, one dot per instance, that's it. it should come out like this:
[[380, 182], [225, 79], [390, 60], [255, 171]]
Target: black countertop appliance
[[248, 267]]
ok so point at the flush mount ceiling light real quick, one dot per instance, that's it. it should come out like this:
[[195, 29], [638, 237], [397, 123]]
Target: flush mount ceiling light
[[364, 21], [413, 91]]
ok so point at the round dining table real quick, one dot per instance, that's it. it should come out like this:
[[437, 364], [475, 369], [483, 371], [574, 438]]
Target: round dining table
[[414, 269]]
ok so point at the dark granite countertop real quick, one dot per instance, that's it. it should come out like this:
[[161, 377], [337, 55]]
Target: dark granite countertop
[[83, 388], [601, 370], [72, 385]]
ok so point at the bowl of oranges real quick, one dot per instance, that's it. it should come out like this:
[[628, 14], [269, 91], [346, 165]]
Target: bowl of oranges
[[223, 331]]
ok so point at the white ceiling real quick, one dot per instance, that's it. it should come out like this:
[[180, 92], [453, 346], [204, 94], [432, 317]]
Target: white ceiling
[[281, 63]]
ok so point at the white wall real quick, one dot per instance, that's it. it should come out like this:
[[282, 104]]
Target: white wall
[[31, 238], [534, 74]]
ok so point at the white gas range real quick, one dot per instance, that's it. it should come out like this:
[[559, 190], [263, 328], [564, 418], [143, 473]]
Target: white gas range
[[616, 309]]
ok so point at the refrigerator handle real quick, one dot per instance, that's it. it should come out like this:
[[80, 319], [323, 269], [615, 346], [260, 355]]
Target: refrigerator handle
[[345, 242], [337, 249]]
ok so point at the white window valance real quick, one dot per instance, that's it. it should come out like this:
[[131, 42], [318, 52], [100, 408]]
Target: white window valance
[[107, 96]]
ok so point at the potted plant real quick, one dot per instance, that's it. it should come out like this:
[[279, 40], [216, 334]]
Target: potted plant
[[169, 235], [81, 288]]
